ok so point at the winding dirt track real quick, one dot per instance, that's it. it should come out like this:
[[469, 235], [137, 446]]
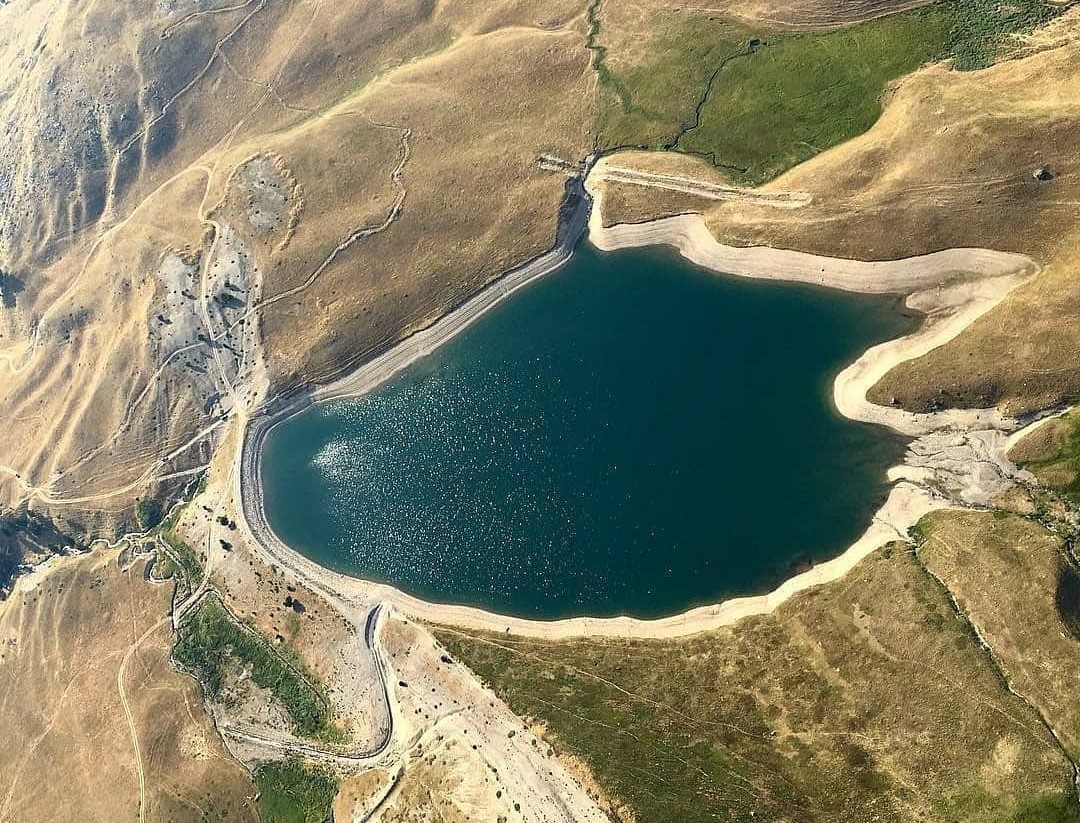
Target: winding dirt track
[[382, 752], [131, 717]]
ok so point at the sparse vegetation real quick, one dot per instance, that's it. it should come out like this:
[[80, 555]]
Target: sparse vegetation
[[292, 792], [292, 624], [210, 638]]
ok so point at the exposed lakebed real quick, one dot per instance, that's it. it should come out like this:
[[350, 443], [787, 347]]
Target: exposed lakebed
[[627, 435]]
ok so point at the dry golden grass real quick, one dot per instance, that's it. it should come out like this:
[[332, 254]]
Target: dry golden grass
[[358, 794], [423, 794], [475, 201], [1023, 356], [813, 15], [349, 44], [68, 753], [73, 420], [632, 204]]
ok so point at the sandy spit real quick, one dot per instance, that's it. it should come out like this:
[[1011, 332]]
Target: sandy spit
[[952, 288]]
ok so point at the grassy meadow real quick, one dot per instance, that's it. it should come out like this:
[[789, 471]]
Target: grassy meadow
[[756, 102]]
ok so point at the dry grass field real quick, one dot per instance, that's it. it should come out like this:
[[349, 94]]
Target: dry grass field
[[68, 644], [474, 201]]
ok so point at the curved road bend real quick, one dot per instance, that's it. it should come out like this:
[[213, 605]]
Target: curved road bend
[[293, 746]]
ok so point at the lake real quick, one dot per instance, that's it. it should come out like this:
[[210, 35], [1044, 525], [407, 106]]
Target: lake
[[628, 435]]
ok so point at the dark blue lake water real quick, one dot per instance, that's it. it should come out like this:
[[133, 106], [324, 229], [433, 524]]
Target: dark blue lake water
[[627, 435]]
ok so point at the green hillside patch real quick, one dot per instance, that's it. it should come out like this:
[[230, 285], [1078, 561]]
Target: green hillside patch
[[149, 513], [796, 96], [651, 103], [1052, 454], [979, 806], [292, 792], [210, 639], [181, 560], [756, 103]]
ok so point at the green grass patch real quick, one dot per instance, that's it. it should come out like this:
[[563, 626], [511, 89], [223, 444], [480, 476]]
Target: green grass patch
[[1058, 464], [291, 792], [292, 624], [980, 806], [980, 29], [183, 560], [165, 567], [758, 110], [654, 102], [210, 640], [799, 95]]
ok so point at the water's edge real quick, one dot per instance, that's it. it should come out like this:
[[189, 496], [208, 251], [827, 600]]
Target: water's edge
[[907, 501]]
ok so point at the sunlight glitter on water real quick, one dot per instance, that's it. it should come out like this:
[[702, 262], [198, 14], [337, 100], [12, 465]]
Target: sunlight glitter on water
[[629, 434]]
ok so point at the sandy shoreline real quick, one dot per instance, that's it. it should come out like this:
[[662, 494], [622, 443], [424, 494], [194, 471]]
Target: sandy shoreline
[[953, 288]]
